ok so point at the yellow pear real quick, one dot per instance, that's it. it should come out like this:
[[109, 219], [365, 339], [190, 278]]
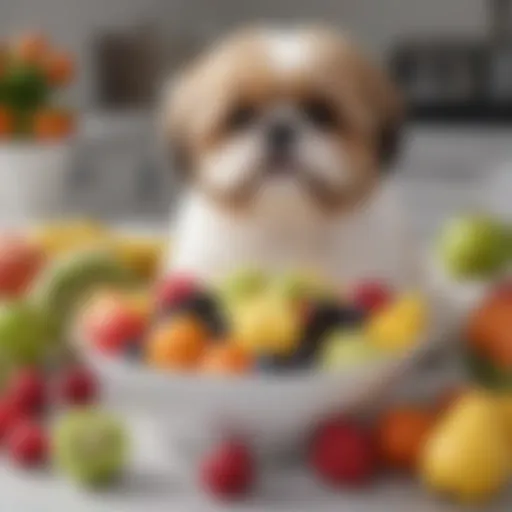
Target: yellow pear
[[466, 457]]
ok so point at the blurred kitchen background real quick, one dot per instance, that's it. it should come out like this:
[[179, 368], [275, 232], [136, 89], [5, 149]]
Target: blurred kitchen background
[[453, 59]]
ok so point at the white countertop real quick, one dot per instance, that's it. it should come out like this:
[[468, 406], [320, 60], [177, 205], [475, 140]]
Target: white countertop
[[150, 486]]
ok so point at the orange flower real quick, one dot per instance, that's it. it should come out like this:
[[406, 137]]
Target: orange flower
[[59, 68], [52, 124], [31, 47], [6, 123]]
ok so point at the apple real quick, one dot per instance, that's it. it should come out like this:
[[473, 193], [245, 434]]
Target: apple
[[473, 247]]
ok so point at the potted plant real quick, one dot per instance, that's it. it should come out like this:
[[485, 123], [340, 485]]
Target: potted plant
[[35, 131]]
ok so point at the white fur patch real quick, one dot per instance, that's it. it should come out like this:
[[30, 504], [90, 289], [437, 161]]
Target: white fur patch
[[288, 50]]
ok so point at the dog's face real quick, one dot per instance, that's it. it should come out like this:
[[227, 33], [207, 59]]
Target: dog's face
[[271, 111]]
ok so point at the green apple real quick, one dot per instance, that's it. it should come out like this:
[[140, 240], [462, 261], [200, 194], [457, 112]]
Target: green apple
[[24, 333], [473, 247], [90, 447], [346, 348]]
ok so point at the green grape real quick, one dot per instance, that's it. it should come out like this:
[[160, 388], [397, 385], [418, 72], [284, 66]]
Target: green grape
[[346, 348]]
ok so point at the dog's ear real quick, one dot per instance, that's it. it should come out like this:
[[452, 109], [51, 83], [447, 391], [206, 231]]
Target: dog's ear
[[173, 127], [390, 142], [390, 132], [387, 110]]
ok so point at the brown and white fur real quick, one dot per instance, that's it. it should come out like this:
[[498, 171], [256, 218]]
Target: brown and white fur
[[284, 137]]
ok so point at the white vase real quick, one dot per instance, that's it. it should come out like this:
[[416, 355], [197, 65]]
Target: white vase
[[33, 179]]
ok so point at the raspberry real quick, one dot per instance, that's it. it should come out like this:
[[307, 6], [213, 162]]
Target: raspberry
[[78, 386], [10, 414], [343, 454], [28, 444], [27, 391]]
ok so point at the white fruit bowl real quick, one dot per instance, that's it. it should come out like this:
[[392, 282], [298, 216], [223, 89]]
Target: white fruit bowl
[[273, 411]]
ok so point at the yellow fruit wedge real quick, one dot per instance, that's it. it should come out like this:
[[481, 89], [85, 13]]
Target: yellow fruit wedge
[[399, 325]]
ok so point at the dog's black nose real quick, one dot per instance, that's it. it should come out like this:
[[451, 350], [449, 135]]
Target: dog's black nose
[[280, 137]]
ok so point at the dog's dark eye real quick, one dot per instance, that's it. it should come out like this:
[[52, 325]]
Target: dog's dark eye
[[240, 118], [321, 113]]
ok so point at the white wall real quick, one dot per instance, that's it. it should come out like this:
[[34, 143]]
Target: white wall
[[377, 23]]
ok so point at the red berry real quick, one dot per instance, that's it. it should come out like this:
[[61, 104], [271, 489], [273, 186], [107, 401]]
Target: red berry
[[78, 386], [27, 391], [343, 454], [113, 327], [175, 290], [28, 444], [372, 295], [228, 472], [10, 414]]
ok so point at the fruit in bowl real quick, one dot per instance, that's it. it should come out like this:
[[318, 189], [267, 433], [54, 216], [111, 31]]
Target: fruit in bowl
[[271, 323]]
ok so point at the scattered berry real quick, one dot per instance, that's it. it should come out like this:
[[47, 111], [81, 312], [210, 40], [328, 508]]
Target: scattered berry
[[342, 453], [28, 444], [10, 415], [228, 472], [27, 391], [78, 386], [371, 296]]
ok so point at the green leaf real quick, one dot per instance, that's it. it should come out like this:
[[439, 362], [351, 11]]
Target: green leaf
[[25, 88]]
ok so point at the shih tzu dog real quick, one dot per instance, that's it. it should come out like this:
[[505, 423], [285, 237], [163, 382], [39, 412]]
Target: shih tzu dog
[[284, 138]]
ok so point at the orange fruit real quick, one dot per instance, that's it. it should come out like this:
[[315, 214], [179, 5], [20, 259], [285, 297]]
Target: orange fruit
[[177, 343], [52, 124], [226, 358], [6, 123], [401, 435], [59, 68], [489, 330], [31, 47]]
